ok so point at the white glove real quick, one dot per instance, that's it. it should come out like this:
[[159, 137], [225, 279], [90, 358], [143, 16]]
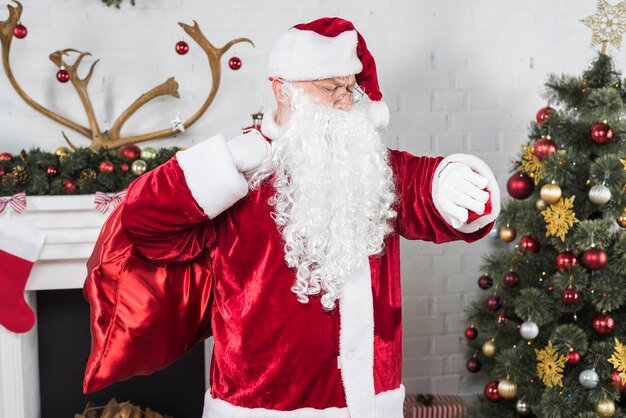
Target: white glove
[[248, 150], [459, 189]]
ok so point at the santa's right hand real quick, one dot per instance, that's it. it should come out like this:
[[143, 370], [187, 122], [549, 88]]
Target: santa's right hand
[[249, 150]]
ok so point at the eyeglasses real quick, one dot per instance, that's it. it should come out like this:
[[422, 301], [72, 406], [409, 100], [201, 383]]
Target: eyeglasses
[[337, 93]]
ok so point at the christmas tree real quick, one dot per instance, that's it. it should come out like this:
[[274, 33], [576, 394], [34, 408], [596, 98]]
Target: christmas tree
[[551, 329]]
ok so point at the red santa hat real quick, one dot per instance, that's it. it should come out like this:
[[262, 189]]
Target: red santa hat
[[325, 48]]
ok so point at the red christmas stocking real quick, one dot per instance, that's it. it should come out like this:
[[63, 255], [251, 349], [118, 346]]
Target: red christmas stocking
[[19, 249]]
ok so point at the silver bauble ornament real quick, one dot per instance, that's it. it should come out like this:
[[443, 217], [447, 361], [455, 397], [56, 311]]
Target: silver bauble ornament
[[599, 194], [588, 378], [139, 167], [529, 330], [522, 407]]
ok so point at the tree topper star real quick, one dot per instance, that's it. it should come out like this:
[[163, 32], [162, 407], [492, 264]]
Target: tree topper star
[[178, 124], [608, 24]]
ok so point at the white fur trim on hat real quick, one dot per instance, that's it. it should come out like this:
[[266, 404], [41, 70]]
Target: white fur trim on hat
[[379, 114], [302, 55]]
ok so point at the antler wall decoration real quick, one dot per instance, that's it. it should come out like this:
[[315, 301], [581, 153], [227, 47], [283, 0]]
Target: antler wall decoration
[[112, 138]]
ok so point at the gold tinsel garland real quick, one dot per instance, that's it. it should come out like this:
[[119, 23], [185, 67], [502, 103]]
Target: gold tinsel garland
[[550, 365], [560, 217], [618, 360]]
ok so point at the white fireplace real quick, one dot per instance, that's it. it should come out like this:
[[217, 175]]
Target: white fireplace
[[71, 225]]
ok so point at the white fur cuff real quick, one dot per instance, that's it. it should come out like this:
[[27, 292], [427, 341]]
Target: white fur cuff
[[212, 176]]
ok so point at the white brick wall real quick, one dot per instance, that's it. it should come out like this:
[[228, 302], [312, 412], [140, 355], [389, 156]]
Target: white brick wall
[[459, 77]]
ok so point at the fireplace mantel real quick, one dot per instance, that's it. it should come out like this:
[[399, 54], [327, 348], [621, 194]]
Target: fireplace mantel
[[71, 225]]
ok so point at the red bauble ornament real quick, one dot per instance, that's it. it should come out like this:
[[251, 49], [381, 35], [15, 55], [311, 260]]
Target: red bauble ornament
[[570, 297], [566, 260], [615, 378], [601, 133], [124, 168], [63, 76], [473, 365], [594, 259], [603, 324], [20, 31], [3, 170], [544, 147], [52, 171], [471, 333], [493, 303], [529, 243], [131, 151], [5, 156], [491, 391], [182, 47], [510, 279], [573, 357], [106, 167], [234, 63], [544, 114], [520, 186], [485, 282], [69, 187]]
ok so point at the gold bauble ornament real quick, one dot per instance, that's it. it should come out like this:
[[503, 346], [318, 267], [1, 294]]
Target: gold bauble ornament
[[507, 389], [541, 205], [550, 193], [605, 408], [507, 234], [489, 348], [148, 153], [138, 167], [621, 220], [599, 194], [62, 153]]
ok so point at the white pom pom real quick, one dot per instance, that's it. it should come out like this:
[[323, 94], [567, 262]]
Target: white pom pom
[[379, 114]]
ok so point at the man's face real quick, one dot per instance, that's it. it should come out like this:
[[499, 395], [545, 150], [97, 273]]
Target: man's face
[[337, 92]]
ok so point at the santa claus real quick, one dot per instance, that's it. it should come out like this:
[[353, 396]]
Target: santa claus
[[303, 221]]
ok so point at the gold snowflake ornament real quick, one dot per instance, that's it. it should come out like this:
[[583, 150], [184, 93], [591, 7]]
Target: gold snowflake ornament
[[618, 360], [560, 217], [608, 24], [531, 164], [550, 365], [623, 161]]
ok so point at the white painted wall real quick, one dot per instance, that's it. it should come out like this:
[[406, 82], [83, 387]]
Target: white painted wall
[[459, 76]]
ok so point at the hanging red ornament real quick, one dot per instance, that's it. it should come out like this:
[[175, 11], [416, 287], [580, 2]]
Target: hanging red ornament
[[106, 167], [491, 391], [510, 279], [20, 31], [520, 186], [594, 259], [52, 171], [63, 76], [544, 114], [124, 168], [69, 187], [493, 303], [529, 243], [485, 282], [615, 378], [601, 133], [570, 297], [3, 170], [473, 365], [471, 333], [131, 151], [603, 324], [5, 156], [566, 260], [182, 47], [544, 147], [573, 357], [234, 63]]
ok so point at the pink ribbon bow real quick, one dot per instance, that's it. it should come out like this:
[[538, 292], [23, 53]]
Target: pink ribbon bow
[[17, 202], [103, 200]]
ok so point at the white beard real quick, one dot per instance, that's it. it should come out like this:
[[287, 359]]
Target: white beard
[[334, 193]]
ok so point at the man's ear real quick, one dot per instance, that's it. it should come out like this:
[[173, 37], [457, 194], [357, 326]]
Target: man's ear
[[277, 88]]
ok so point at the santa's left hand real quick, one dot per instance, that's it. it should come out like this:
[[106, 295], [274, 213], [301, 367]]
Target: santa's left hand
[[460, 189]]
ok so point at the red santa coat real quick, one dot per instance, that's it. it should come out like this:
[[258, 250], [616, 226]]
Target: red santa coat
[[274, 356]]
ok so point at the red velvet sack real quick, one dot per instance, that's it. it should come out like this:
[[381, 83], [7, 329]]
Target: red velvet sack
[[144, 314]]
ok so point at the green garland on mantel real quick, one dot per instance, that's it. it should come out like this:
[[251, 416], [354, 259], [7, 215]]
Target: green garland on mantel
[[83, 171], [116, 3]]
